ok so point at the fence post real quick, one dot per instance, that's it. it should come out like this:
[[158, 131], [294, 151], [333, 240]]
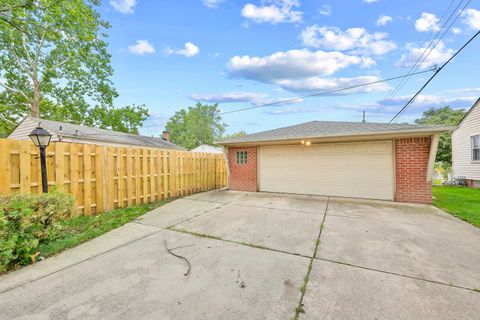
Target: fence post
[[87, 182], [121, 176], [129, 184], [99, 179], [24, 166], [74, 173]]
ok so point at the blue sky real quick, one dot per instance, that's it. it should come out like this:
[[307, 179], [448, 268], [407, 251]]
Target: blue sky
[[168, 54]]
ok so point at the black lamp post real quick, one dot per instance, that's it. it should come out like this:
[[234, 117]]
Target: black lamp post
[[41, 138]]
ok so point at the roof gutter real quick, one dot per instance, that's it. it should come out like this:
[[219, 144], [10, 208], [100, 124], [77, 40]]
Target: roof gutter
[[345, 137]]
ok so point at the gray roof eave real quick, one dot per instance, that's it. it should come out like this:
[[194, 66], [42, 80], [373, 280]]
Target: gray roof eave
[[399, 133]]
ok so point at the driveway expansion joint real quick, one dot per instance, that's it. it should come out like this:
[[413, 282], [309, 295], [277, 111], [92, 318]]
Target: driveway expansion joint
[[251, 245], [396, 274], [220, 205], [272, 208], [303, 289], [81, 261]]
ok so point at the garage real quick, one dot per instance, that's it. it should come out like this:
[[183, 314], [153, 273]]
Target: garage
[[360, 170], [384, 161]]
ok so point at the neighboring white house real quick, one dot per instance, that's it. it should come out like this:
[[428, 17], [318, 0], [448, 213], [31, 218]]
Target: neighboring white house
[[466, 147], [207, 148], [67, 132]]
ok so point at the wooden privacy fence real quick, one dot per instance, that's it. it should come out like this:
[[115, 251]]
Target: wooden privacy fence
[[103, 177]]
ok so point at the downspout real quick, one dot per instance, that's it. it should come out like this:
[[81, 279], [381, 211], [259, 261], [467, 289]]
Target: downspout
[[432, 156], [225, 156]]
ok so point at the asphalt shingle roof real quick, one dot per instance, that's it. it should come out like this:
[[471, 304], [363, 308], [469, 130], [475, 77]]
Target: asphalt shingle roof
[[318, 129], [66, 129]]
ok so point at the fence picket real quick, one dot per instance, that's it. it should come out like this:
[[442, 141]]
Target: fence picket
[[102, 177]]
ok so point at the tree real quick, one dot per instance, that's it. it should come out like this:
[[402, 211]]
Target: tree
[[126, 119], [61, 55], [195, 126], [234, 135], [8, 6], [446, 116], [54, 63]]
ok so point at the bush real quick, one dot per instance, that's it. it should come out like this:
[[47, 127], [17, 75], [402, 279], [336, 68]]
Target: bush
[[26, 220]]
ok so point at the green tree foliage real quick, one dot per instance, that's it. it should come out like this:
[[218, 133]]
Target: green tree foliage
[[446, 116], [234, 135], [54, 63], [196, 126]]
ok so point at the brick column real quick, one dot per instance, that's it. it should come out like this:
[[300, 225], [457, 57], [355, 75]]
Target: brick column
[[411, 158], [243, 177]]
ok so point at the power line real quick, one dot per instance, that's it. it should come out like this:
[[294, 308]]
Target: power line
[[435, 40], [431, 78], [280, 102]]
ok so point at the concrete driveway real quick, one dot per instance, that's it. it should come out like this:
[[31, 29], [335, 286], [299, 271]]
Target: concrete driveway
[[261, 256]]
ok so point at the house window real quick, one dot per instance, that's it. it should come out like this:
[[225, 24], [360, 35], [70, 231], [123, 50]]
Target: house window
[[476, 148], [242, 157]]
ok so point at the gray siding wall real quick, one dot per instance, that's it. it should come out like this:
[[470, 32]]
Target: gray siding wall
[[463, 166]]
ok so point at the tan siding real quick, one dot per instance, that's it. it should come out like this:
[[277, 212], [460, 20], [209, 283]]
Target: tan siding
[[25, 127], [461, 146]]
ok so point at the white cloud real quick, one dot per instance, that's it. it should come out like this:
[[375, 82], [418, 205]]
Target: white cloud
[[427, 22], [459, 98], [273, 11], [303, 71], [123, 6], [141, 47], [357, 40], [212, 4], [471, 18], [188, 51], [292, 64], [229, 97], [318, 84], [437, 56], [325, 10], [383, 20], [462, 98], [456, 30], [370, 1]]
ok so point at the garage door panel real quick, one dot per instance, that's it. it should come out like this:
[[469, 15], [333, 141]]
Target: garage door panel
[[363, 170], [381, 147], [360, 148]]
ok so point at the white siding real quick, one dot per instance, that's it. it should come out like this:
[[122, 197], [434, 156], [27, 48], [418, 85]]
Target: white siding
[[461, 146]]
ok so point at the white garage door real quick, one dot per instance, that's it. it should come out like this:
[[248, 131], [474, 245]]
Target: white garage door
[[360, 169]]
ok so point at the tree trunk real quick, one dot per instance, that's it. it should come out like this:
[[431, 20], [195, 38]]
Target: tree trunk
[[36, 100]]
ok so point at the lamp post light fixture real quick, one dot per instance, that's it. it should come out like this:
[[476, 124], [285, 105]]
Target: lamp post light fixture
[[41, 139]]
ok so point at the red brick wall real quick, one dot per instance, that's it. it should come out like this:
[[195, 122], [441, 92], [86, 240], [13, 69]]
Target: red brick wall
[[411, 157], [243, 177]]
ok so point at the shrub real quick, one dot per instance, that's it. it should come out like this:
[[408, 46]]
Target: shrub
[[26, 220]]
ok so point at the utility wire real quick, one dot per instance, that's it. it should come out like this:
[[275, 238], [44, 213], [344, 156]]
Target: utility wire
[[431, 78], [429, 39], [424, 54], [280, 102]]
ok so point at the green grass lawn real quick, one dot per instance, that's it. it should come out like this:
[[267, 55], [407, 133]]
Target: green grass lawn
[[79, 229], [461, 202]]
